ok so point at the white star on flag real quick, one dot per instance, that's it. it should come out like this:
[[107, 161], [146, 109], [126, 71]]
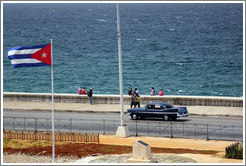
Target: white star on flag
[[44, 55]]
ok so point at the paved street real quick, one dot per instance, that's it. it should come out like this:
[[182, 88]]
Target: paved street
[[218, 120], [202, 127]]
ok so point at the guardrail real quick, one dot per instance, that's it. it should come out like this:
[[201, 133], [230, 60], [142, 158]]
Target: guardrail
[[115, 99], [138, 128], [47, 136]]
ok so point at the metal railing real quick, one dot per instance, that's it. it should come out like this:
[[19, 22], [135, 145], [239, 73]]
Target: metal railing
[[188, 130], [171, 129]]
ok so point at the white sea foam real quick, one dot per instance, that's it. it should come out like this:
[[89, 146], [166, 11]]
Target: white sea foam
[[141, 39], [101, 20]]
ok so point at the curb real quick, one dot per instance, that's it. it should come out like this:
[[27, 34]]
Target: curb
[[116, 112]]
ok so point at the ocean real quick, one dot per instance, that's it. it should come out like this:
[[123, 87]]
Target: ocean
[[183, 48]]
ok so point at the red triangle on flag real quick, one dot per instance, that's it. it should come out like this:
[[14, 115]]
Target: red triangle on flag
[[43, 55]]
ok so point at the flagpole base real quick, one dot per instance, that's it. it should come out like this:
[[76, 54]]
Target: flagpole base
[[122, 132]]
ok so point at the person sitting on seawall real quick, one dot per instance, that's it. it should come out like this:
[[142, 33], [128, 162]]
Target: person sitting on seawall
[[83, 91], [80, 90], [152, 93], [161, 92]]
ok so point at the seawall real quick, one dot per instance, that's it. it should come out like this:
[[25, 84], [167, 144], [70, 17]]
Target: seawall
[[115, 99]]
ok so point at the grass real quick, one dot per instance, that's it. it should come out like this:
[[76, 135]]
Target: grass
[[19, 144]]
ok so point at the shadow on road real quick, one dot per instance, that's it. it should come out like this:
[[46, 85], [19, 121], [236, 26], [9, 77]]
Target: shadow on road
[[161, 120]]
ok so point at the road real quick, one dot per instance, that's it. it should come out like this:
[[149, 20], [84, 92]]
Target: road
[[218, 120], [205, 127]]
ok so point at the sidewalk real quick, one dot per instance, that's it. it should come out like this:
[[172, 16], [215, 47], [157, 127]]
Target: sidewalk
[[115, 108], [197, 144]]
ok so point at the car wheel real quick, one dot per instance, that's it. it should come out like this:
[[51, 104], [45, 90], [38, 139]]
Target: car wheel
[[166, 117], [134, 116], [174, 118]]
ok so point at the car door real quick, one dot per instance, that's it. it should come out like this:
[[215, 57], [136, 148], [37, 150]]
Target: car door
[[150, 109], [158, 110]]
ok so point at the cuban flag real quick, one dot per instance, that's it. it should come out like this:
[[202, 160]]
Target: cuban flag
[[30, 56]]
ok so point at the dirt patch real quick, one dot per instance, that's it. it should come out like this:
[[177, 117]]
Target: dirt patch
[[82, 150]]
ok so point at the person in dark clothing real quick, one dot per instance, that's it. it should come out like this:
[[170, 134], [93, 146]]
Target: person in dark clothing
[[130, 92], [90, 95]]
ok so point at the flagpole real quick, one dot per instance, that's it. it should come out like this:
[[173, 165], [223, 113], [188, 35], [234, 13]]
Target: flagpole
[[122, 130], [53, 123]]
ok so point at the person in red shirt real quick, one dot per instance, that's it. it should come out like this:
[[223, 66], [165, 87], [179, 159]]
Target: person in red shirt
[[161, 92], [83, 91]]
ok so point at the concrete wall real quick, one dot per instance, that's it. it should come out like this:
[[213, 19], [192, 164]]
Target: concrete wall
[[115, 99]]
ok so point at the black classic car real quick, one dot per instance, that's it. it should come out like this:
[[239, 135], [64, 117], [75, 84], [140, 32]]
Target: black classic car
[[162, 110]]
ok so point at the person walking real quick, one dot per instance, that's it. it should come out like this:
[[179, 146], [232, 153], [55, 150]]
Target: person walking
[[152, 93], [137, 100], [133, 102], [90, 95]]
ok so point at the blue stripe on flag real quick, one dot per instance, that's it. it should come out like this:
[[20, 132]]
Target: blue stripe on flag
[[28, 47], [20, 56], [14, 48], [29, 65]]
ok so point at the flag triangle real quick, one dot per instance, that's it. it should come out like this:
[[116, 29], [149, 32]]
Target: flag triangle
[[43, 55]]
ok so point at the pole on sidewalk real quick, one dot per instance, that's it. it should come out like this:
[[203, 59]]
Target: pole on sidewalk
[[53, 123], [122, 130], [122, 122]]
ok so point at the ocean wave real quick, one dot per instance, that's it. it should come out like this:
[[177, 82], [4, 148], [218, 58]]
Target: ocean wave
[[171, 29], [141, 39], [101, 20]]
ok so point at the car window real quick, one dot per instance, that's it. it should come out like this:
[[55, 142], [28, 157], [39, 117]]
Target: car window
[[158, 107], [150, 106], [169, 106]]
